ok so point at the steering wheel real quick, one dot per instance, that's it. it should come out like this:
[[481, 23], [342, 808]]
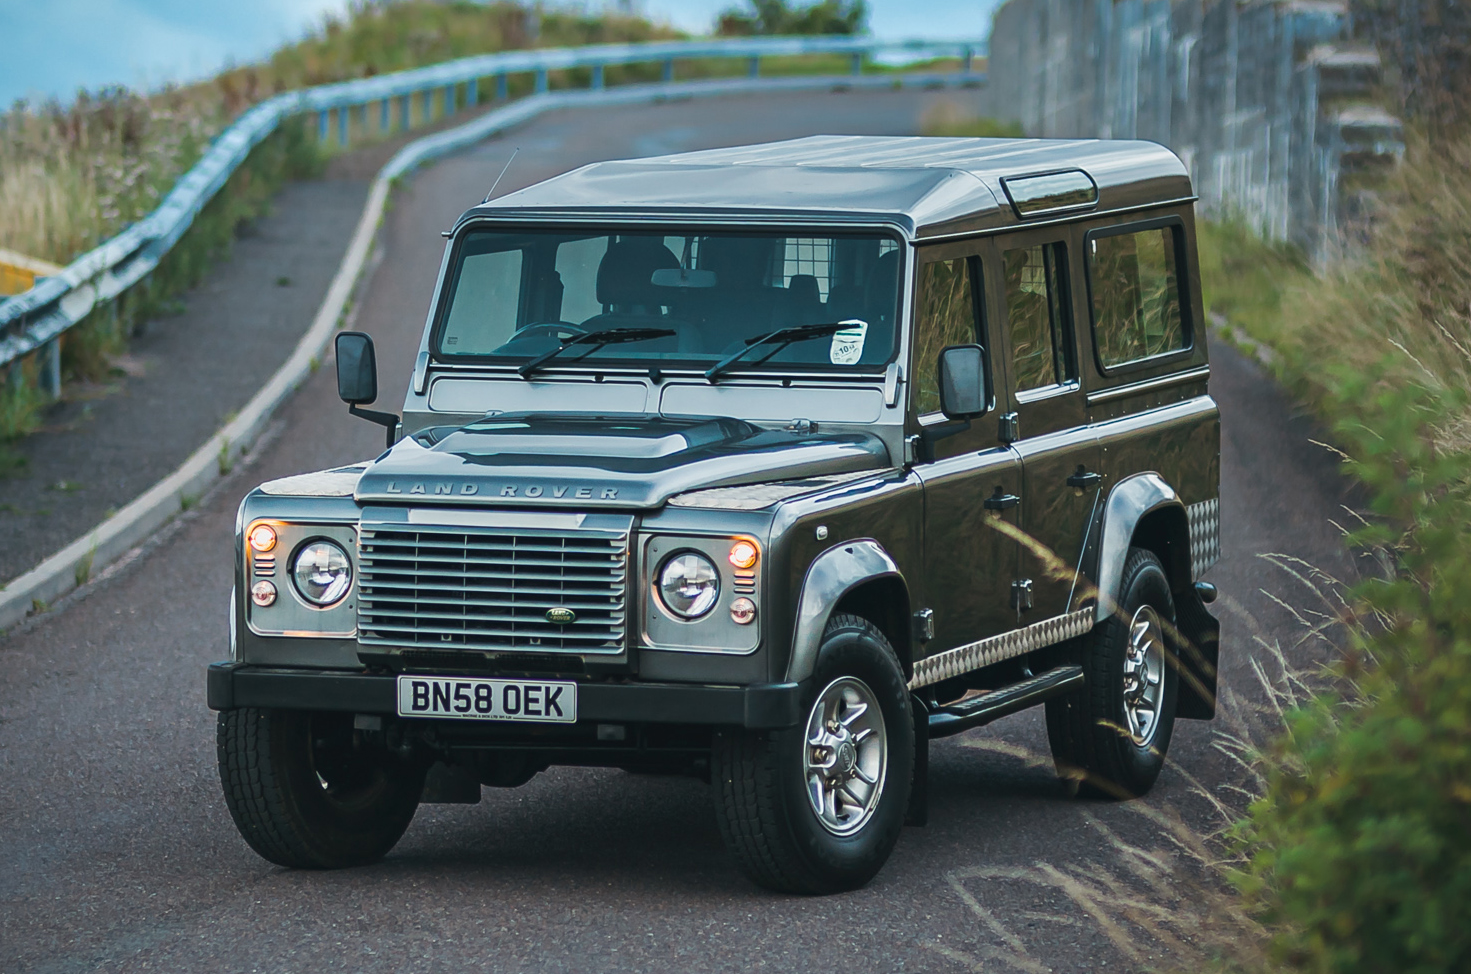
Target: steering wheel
[[550, 329]]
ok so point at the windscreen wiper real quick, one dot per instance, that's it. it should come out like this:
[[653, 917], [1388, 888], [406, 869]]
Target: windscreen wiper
[[780, 339], [596, 339]]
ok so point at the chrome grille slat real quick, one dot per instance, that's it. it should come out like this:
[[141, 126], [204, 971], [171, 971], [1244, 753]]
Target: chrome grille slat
[[458, 588], [479, 582], [427, 596]]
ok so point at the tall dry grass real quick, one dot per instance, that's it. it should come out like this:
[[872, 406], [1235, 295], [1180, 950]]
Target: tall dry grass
[[1399, 309], [73, 175], [70, 178]]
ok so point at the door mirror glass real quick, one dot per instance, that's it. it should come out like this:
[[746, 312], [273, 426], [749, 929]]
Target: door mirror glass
[[963, 371], [357, 368]]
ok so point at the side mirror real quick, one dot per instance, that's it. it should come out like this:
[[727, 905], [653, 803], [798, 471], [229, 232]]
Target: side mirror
[[357, 368], [963, 388], [357, 379]]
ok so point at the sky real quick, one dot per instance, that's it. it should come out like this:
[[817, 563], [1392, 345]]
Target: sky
[[55, 47]]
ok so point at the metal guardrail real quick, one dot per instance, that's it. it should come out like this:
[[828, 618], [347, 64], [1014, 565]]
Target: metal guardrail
[[37, 318]]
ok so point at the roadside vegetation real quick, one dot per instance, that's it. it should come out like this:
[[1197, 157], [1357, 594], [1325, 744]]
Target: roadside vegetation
[[1359, 851]]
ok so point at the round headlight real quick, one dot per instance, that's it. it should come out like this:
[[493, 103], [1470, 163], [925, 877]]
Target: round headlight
[[689, 584], [322, 572]]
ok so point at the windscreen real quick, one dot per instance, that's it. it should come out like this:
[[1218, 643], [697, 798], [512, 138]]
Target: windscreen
[[514, 295]]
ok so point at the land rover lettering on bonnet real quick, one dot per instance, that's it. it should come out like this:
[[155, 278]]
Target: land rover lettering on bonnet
[[767, 466]]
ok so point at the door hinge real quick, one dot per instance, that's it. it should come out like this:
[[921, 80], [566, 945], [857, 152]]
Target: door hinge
[[924, 625], [1021, 594], [1009, 430]]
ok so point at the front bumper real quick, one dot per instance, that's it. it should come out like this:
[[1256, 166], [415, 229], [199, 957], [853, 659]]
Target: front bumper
[[766, 706]]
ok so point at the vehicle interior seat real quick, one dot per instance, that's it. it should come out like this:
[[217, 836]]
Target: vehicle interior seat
[[804, 301], [627, 293], [741, 305]]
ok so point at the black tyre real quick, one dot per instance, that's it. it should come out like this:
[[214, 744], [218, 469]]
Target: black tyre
[[1111, 736], [817, 808], [309, 792]]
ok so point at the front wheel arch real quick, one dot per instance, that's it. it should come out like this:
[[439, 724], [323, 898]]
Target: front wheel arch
[[833, 577]]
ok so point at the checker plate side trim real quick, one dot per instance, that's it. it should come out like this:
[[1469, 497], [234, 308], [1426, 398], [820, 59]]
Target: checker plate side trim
[[1205, 535], [1018, 642]]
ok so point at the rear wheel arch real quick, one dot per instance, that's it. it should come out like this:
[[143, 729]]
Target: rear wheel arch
[[1166, 532], [1142, 511]]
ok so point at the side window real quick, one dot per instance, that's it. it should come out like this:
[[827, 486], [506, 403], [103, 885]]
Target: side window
[[1036, 306], [486, 303], [947, 316], [1136, 295]]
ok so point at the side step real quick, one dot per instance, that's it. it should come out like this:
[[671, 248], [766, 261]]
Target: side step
[[995, 704]]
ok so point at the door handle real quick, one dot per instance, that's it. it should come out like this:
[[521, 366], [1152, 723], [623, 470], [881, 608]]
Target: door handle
[[1083, 479], [1000, 501]]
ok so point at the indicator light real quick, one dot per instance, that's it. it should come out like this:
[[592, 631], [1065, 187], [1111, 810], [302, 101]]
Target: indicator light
[[742, 611], [263, 593], [743, 554], [262, 537]]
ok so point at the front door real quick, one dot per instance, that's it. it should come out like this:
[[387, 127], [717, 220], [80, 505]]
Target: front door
[[1059, 450], [973, 479]]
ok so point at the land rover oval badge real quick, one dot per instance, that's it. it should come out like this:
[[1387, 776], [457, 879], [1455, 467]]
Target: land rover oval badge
[[561, 616]]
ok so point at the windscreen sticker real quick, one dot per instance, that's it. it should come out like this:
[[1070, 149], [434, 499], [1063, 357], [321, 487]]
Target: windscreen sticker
[[847, 347]]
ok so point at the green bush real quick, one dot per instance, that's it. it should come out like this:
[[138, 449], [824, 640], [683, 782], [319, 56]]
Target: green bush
[[780, 17], [1361, 847]]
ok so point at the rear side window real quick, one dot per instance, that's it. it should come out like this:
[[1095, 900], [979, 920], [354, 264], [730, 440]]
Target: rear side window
[[1036, 305], [947, 316], [1135, 283]]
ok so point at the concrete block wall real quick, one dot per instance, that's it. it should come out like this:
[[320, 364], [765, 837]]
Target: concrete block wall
[[1269, 104]]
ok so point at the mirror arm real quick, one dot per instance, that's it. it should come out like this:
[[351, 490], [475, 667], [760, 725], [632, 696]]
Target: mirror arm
[[930, 435], [387, 420]]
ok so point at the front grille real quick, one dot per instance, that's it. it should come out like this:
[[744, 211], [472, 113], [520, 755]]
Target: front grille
[[450, 588]]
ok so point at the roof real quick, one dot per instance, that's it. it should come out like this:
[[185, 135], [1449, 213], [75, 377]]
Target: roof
[[929, 186]]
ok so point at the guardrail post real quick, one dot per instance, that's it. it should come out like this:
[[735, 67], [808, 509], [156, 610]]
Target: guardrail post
[[323, 128], [428, 105], [541, 81], [449, 100], [857, 62], [668, 73], [405, 112], [597, 77], [502, 91], [472, 92], [49, 360], [753, 67], [385, 117], [342, 120]]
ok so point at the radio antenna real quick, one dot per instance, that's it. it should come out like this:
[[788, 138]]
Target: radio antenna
[[498, 178]]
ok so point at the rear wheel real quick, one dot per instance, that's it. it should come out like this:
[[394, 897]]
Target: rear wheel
[[308, 791], [1112, 735], [817, 808]]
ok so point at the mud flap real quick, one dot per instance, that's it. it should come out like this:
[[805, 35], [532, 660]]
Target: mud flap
[[1198, 655], [918, 813]]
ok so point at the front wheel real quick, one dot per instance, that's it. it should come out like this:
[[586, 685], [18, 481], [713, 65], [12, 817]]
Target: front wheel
[[308, 791], [1112, 735], [817, 808]]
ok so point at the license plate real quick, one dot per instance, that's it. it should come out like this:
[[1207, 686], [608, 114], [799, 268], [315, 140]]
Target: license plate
[[476, 699]]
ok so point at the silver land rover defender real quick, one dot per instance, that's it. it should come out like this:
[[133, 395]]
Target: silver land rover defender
[[767, 465]]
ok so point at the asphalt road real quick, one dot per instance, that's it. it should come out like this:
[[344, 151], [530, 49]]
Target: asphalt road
[[117, 853]]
